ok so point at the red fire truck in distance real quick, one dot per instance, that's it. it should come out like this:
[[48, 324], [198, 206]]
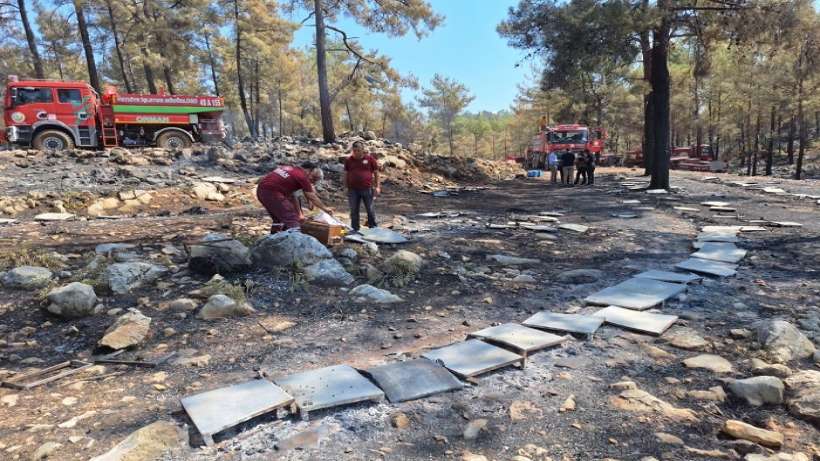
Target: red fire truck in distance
[[54, 115], [573, 137]]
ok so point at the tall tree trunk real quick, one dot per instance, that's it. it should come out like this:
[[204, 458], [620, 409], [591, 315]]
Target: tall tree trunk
[[790, 141], [349, 117], [801, 122], [772, 133], [118, 47], [212, 63], [716, 149], [169, 81], [328, 133], [146, 68], [450, 138], [93, 76], [258, 98], [281, 112], [647, 141], [240, 82], [757, 144], [662, 92], [31, 40]]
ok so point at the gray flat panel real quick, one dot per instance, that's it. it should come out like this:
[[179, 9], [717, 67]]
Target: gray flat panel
[[730, 237], [721, 229], [381, 235], [329, 387], [705, 266], [219, 409], [519, 337], [720, 251], [571, 323], [414, 379], [715, 203], [580, 228], [644, 322], [672, 277], [636, 293], [472, 357]]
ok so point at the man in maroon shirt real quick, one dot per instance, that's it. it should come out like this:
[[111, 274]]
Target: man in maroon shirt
[[275, 192], [362, 179]]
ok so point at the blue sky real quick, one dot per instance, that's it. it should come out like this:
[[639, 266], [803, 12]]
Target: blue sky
[[465, 47]]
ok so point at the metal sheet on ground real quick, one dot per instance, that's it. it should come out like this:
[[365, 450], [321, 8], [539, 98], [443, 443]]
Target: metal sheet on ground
[[472, 357], [219, 409], [644, 322], [380, 235], [329, 387], [705, 266], [414, 379], [672, 277], [636, 293], [571, 323], [720, 251], [718, 237], [519, 337]]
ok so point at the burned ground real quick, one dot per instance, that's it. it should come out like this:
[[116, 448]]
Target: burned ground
[[458, 291]]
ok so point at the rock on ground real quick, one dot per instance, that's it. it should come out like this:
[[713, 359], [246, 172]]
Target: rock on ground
[[124, 277], [207, 191], [759, 390], [288, 248], [128, 330], [710, 362], [403, 262], [580, 276], [369, 293], [783, 342], [27, 277], [221, 306], [219, 254], [686, 338], [777, 457], [804, 395], [641, 401], [328, 272], [507, 260], [74, 300], [46, 450], [741, 430], [149, 443]]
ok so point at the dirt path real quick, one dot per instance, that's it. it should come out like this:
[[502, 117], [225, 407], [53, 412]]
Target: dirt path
[[458, 291]]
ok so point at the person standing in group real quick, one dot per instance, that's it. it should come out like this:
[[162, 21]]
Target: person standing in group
[[275, 192], [581, 168], [552, 163], [361, 176], [591, 160], [567, 162]]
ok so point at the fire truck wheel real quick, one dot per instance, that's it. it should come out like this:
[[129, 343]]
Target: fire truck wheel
[[52, 140], [173, 140]]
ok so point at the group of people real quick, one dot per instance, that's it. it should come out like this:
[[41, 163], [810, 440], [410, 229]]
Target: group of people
[[278, 190], [566, 164]]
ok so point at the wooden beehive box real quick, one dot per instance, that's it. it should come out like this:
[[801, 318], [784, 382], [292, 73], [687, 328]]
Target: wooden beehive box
[[328, 234]]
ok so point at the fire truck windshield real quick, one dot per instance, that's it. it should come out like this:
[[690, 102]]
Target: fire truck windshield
[[569, 137]]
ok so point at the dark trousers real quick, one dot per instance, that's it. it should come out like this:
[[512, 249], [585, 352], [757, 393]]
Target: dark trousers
[[354, 198], [283, 209], [582, 174], [591, 175]]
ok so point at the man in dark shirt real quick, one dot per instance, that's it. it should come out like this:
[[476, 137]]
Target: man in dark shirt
[[275, 192], [362, 180], [567, 163]]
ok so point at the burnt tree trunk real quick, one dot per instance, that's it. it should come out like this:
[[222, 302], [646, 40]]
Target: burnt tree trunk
[[770, 152], [662, 95], [790, 140], [118, 47], [93, 76], [212, 63], [36, 61], [240, 81], [328, 133]]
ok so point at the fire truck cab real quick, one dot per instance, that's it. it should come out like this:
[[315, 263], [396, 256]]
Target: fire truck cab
[[55, 115], [573, 137]]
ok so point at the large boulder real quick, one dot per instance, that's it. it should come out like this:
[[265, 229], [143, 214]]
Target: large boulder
[[220, 306], [219, 254], [150, 443], [287, 249], [804, 395], [27, 278], [207, 191], [759, 390], [328, 272], [124, 277], [783, 342], [74, 300], [369, 293], [128, 330]]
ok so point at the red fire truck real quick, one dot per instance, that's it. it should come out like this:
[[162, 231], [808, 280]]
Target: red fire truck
[[54, 115], [574, 137]]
